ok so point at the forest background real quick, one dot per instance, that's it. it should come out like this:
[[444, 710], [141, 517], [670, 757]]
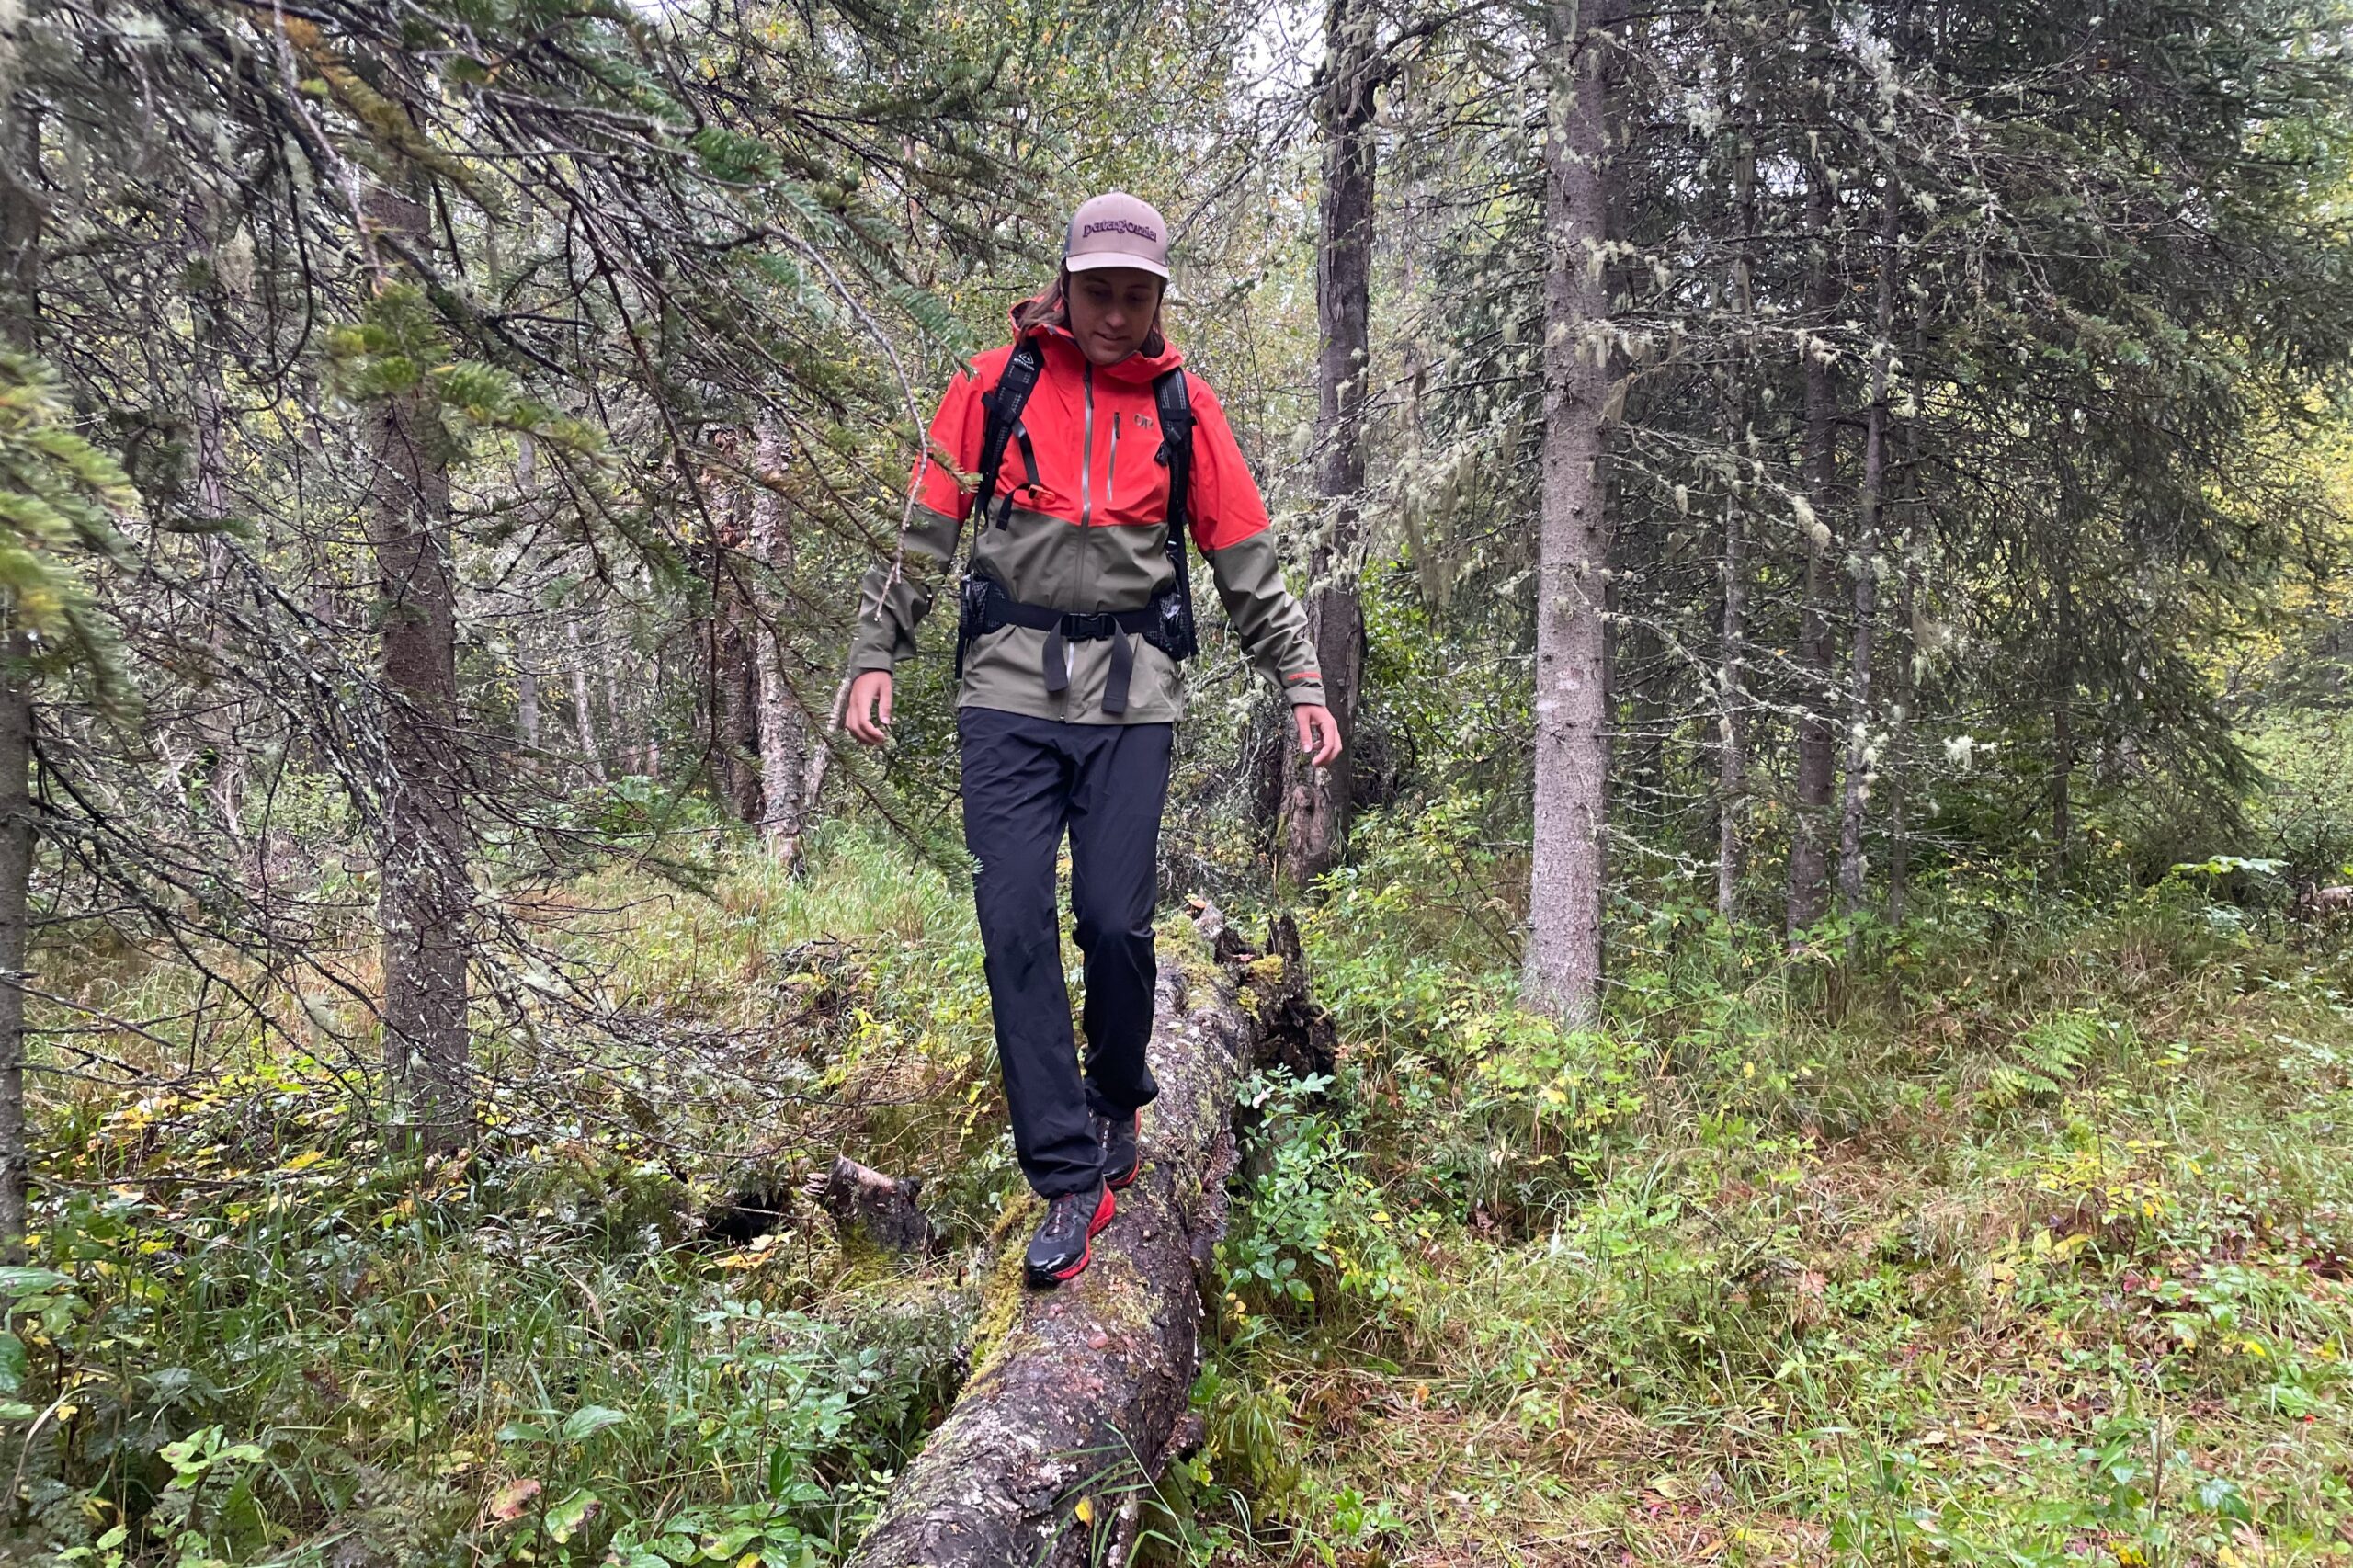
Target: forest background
[[1824, 525]]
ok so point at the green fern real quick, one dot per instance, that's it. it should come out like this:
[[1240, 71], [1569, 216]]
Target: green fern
[[2045, 1057]]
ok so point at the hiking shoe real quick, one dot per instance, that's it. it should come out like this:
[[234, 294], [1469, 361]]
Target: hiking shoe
[[1059, 1250], [1118, 1135]]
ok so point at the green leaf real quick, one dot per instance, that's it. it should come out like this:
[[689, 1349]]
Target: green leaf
[[589, 1420], [569, 1515], [15, 1281]]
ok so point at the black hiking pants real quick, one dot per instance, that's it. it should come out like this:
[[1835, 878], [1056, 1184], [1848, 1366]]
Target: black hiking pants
[[1025, 780]]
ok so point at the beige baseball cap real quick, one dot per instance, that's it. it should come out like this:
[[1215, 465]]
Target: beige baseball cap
[[1117, 230]]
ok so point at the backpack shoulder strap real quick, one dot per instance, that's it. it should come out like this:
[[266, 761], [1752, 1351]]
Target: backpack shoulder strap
[[1005, 405], [1176, 404]]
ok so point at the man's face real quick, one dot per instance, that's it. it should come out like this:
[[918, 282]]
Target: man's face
[[1112, 310]]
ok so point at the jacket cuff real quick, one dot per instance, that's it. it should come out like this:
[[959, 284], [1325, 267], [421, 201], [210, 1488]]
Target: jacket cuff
[[870, 649], [1301, 691]]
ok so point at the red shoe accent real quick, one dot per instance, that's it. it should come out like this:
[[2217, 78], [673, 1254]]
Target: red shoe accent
[[1103, 1212]]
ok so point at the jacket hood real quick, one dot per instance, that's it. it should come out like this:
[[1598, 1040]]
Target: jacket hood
[[1156, 356]]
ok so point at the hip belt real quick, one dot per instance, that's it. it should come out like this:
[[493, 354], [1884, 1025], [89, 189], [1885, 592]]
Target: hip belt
[[983, 606]]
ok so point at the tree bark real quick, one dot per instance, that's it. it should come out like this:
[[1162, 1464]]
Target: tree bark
[[2062, 703], [425, 892], [625, 752], [1809, 893], [1732, 756], [583, 710], [1907, 666], [527, 703], [733, 646], [1316, 804], [1563, 970], [1083, 1393], [1861, 758], [881, 1208], [21, 224], [788, 768]]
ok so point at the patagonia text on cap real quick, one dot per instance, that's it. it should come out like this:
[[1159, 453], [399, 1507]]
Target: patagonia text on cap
[[1117, 230]]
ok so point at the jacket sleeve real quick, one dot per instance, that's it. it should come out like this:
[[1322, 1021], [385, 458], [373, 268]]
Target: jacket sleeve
[[895, 595], [1229, 521]]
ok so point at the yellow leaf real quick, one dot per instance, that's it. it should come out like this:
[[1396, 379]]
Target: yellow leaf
[[306, 1159], [1085, 1512]]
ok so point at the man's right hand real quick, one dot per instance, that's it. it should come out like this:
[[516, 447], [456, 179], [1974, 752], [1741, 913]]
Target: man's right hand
[[869, 693]]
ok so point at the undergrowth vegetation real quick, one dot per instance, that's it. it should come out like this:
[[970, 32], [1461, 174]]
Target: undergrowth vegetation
[[2021, 1236]]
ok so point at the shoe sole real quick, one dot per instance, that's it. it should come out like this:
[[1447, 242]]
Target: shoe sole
[[1122, 1183], [1103, 1212]]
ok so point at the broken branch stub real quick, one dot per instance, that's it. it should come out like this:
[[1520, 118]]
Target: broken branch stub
[[881, 1208]]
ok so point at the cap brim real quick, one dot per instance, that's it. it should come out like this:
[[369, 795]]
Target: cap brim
[[1094, 261]]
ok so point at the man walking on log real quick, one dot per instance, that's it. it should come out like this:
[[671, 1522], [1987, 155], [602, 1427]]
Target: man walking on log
[[1091, 450]]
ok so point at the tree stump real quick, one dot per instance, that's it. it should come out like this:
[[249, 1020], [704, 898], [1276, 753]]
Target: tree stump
[[881, 1208]]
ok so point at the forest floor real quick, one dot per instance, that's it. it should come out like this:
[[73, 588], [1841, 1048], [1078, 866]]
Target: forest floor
[[2022, 1239]]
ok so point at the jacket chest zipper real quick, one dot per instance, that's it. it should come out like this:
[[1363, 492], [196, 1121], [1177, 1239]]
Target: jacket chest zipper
[[1111, 471], [1086, 586], [1086, 447]]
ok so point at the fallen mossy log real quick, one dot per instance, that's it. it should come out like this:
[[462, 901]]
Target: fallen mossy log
[[1077, 1396]]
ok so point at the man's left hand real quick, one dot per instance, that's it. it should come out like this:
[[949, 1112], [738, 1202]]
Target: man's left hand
[[1319, 732]]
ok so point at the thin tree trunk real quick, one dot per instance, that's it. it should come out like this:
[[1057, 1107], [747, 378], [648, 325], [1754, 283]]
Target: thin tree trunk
[[218, 717], [584, 711], [1899, 867], [527, 720], [786, 789], [426, 890], [1809, 891], [20, 257], [2063, 704], [1562, 973], [1853, 866], [1732, 756], [625, 752], [527, 700], [734, 644], [1316, 802]]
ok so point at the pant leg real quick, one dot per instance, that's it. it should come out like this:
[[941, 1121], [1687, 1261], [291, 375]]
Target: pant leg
[[1116, 804], [1016, 784]]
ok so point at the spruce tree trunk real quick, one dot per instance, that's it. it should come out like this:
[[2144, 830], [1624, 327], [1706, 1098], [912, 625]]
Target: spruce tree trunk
[[1809, 894], [1562, 974], [1732, 756], [220, 720], [20, 253], [425, 891], [1908, 669], [583, 710], [787, 785], [2063, 704], [1315, 814], [527, 701], [733, 641], [1853, 865]]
